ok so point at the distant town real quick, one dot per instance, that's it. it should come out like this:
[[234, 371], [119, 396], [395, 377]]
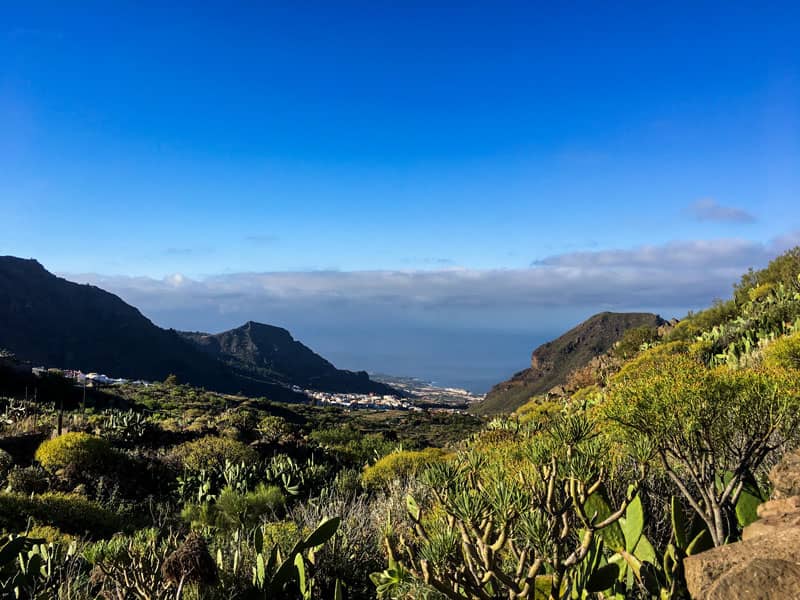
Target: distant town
[[417, 395]]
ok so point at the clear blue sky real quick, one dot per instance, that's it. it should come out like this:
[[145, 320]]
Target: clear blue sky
[[147, 139]]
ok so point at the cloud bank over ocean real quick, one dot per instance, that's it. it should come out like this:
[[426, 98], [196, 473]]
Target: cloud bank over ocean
[[368, 312]]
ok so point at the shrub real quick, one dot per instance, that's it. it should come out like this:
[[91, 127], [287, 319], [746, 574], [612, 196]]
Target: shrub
[[273, 428], [6, 462], [50, 534], [702, 423], [633, 339], [68, 512], [79, 450], [784, 352], [27, 480], [280, 533], [237, 424], [190, 563], [399, 464], [210, 453], [132, 566], [234, 509]]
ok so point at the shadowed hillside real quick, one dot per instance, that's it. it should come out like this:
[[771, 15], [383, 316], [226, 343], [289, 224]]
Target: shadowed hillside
[[53, 322], [271, 354]]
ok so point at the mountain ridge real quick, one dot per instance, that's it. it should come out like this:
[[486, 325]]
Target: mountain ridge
[[55, 322], [553, 361], [270, 352]]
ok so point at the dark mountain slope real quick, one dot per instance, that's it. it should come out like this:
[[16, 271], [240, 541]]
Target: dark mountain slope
[[552, 362], [50, 321], [271, 354]]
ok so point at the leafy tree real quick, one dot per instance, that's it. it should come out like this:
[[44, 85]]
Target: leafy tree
[[711, 428]]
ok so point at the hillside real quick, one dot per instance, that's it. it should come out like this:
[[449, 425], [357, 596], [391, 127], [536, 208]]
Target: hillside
[[50, 321], [268, 353], [553, 361]]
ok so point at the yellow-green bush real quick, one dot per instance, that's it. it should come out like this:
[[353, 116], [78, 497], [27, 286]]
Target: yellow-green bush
[[50, 534], [234, 509], [283, 533], [210, 453], [538, 410], [70, 513], [81, 450], [399, 464], [784, 352]]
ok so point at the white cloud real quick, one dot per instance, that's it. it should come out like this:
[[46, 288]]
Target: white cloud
[[677, 274]]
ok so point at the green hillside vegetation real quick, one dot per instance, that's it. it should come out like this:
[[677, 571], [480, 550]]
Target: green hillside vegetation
[[654, 449]]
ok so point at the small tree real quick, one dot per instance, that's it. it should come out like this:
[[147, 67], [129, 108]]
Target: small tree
[[711, 428]]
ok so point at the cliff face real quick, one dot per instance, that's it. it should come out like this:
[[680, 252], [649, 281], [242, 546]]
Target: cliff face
[[552, 362]]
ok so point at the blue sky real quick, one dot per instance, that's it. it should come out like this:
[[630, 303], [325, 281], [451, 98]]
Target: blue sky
[[391, 167]]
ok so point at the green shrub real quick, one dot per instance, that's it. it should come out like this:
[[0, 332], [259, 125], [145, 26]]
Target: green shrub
[[68, 512], [351, 446], [27, 480], [210, 453], [399, 464], [273, 428], [282, 533], [234, 509], [50, 534], [237, 424], [79, 450]]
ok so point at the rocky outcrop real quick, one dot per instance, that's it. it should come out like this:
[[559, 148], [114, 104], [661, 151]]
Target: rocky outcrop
[[765, 565]]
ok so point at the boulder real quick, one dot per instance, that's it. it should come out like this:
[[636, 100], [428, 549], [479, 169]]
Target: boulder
[[785, 476], [758, 579], [765, 565], [724, 570]]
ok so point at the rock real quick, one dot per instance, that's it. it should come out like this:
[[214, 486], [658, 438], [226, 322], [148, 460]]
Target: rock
[[708, 571], [765, 565], [770, 524], [758, 579], [785, 476], [780, 507], [775, 515]]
